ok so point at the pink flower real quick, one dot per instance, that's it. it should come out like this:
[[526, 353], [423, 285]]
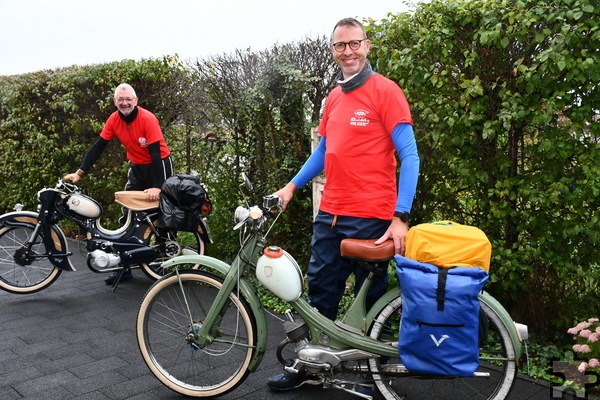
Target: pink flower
[[592, 320], [598, 329], [585, 333], [581, 348], [582, 367], [594, 337], [594, 363], [580, 326], [584, 348]]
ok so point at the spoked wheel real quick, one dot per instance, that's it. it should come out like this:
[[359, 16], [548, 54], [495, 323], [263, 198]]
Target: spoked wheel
[[24, 270], [172, 245], [497, 365], [172, 312]]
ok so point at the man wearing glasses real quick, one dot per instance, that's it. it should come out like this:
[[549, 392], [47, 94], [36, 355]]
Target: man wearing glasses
[[149, 157], [366, 122]]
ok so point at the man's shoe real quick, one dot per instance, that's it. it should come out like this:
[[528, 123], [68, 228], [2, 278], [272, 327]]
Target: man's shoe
[[288, 380], [113, 277]]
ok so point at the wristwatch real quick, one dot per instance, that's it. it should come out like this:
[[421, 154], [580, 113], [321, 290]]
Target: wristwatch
[[403, 215]]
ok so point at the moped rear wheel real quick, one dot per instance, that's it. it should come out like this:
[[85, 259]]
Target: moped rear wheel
[[24, 270], [172, 311], [172, 245], [497, 358]]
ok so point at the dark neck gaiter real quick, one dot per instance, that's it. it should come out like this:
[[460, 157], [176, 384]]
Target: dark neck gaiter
[[356, 81], [129, 118]]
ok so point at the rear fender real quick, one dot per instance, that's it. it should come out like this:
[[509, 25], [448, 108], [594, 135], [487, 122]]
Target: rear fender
[[54, 238], [491, 302], [484, 297], [204, 230]]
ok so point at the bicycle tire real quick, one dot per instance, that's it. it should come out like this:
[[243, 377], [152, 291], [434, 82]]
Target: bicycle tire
[[21, 273], [497, 357], [163, 323], [184, 243]]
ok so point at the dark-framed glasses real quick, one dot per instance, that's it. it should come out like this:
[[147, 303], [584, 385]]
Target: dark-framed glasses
[[125, 99], [353, 44]]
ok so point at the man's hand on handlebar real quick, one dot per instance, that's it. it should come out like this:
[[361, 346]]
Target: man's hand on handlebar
[[71, 177], [285, 193], [75, 176]]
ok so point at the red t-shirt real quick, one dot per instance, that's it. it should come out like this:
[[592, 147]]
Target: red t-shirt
[[137, 135], [360, 161]]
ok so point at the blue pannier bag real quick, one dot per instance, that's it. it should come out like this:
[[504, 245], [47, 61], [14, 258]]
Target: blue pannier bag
[[439, 327]]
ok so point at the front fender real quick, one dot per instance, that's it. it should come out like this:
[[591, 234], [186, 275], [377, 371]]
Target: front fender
[[248, 292], [19, 218], [55, 242]]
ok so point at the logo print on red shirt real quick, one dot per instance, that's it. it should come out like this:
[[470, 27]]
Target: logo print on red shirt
[[360, 118], [142, 142]]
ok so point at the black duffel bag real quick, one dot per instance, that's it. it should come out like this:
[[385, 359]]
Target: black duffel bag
[[182, 200]]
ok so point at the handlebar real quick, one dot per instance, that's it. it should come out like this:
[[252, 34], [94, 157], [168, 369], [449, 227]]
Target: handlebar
[[64, 185], [257, 216], [253, 217]]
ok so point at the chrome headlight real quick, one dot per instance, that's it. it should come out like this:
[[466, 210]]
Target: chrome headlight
[[241, 214]]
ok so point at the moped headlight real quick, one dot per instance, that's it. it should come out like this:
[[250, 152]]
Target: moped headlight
[[241, 214]]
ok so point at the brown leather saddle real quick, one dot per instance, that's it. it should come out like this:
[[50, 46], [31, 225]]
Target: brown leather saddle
[[372, 257]]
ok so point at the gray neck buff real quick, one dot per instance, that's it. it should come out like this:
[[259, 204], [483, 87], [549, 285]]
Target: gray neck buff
[[355, 81]]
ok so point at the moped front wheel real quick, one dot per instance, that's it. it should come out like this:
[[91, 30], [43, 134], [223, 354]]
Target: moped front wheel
[[24, 269], [173, 244], [493, 380], [172, 311]]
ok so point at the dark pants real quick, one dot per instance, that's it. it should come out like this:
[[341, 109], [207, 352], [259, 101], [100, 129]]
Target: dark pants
[[328, 271], [140, 177]]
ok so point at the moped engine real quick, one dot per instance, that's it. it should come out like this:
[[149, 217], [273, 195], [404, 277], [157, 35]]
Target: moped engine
[[102, 260], [324, 358]]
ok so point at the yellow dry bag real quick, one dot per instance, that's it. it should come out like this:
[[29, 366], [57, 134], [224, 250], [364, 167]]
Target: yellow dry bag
[[449, 244]]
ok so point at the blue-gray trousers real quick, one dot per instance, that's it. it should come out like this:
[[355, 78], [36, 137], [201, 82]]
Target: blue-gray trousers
[[328, 271]]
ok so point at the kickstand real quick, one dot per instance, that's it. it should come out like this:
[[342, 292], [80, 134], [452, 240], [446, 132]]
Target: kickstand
[[119, 277]]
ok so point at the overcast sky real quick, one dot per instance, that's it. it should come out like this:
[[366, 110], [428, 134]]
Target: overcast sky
[[49, 34]]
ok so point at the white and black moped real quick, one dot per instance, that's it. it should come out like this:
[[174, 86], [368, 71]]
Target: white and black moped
[[34, 250]]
